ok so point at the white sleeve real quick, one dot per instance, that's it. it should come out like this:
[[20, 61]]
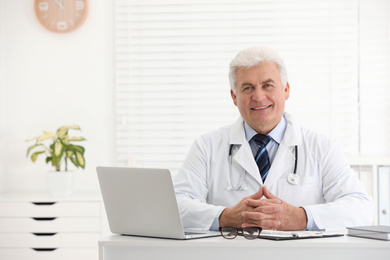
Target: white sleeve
[[192, 190], [346, 202]]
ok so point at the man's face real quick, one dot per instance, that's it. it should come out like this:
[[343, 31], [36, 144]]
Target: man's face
[[260, 96]]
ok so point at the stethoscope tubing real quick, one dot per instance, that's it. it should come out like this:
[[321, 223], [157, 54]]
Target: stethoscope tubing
[[296, 160], [292, 178]]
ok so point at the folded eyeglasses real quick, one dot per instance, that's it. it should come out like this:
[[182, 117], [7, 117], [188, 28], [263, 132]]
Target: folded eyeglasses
[[248, 232]]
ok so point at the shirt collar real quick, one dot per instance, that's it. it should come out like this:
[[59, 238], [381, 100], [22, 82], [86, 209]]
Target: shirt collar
[[277, 133]]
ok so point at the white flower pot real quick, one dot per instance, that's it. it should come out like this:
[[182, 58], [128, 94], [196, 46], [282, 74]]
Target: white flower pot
[[60, 183]]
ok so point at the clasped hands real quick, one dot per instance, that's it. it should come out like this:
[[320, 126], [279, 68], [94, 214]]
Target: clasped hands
[[263, 209]]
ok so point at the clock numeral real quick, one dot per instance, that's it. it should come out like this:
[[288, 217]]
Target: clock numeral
[[80, 5], [43, 6], [62, 25]]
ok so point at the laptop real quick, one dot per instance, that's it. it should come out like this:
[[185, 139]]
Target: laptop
[[142, 202]]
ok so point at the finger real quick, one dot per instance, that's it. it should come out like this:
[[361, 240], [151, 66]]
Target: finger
[[268, 209], [265, 224], [256, 216], [264, 210], [263, 202], [257, 195], [268, 194], [260, 219]]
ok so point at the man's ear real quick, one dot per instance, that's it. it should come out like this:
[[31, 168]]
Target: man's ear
[[234, 97], [287, 91]]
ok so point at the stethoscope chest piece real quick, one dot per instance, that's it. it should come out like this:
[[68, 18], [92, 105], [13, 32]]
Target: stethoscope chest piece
[[293, 178]]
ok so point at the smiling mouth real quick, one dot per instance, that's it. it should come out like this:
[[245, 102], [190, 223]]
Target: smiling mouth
[[261, 108]]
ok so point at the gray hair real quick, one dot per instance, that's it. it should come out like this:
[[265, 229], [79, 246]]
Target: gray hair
[[252, 57]]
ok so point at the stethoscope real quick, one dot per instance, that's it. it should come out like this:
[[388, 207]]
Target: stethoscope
[[231, 187], [293, 178]]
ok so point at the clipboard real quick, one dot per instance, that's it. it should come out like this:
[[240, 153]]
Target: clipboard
[[293, 235]]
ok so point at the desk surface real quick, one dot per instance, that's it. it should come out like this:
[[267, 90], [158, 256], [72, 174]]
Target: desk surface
[[345, 247]]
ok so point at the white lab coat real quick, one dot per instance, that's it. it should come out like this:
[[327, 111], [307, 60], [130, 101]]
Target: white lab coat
[[328, 187]]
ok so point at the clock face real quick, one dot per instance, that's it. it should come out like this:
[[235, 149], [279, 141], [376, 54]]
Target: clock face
[[61, 15]]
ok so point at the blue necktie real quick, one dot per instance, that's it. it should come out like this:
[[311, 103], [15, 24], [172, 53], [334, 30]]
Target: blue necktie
[[262, 158]]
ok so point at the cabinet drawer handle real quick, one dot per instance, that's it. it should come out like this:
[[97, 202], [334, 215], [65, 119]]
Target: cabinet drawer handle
[[43, 219], [44, 249], [44, 234], [43, 203]]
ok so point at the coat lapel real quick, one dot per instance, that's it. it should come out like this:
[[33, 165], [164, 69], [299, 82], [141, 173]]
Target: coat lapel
[[242, 153], [283, 164], [284, 160], [245, 159]]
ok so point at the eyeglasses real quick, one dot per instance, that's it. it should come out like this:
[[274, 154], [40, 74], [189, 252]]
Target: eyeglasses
[[248, 232]]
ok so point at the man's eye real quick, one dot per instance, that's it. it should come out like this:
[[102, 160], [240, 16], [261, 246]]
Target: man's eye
[[247, 89]]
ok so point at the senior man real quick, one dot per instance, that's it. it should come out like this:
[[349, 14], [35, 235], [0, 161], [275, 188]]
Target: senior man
[[266, 170]]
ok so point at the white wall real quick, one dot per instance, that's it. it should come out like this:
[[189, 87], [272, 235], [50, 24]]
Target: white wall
[[48, 80]]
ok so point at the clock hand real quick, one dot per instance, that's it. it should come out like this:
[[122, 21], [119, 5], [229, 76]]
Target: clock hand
[[59, 2]]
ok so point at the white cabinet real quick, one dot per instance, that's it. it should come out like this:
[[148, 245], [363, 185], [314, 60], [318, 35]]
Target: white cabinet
[[374, 173], [37, 226], [384, 195]]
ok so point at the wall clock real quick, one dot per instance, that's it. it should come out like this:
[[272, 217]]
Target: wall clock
[[61, 15]]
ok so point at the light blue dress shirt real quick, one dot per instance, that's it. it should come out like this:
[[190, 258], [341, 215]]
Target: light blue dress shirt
[[272, 147]]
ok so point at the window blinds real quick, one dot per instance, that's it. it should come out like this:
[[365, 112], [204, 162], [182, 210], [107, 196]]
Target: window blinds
[[374, 62], [172, 61]]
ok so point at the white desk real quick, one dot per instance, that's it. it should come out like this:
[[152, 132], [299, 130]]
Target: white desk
[[217, 248]]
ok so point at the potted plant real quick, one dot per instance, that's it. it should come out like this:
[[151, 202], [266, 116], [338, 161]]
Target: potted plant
[[59, 149]]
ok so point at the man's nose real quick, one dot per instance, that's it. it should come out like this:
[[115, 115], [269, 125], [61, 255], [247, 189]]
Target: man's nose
[[258, 94]]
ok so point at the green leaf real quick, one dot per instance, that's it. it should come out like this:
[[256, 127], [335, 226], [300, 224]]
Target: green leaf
[[32, 147], [47, 135], [35, 155], [64, 139], [48, 159], [69, 153], [55, 161], [58, 149], [80, 159], [76, 127], [76, 139], [62, 131], [77, 148], [74, 161]]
